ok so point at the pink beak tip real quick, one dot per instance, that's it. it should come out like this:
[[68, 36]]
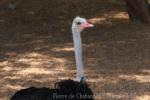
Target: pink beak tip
[[91, 25], [87, 25]]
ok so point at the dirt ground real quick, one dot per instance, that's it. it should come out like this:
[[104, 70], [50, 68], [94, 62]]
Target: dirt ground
[[36, 47]]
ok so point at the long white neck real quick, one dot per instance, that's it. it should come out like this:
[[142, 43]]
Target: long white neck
[[78, 54]]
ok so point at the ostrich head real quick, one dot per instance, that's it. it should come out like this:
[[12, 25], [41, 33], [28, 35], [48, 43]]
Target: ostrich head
[[79, 24]]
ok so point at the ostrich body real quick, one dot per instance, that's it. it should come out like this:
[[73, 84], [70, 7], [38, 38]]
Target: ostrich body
[[78, 25]]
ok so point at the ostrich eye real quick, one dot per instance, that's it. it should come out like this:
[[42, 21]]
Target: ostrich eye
[[78, 23]]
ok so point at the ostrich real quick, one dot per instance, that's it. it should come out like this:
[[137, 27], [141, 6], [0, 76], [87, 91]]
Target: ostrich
[[78, 25]]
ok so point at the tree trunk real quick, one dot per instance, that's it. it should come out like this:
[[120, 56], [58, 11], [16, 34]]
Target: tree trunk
[[138, 10]]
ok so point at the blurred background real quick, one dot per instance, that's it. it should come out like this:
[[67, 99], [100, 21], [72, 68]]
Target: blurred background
[[36, 47]]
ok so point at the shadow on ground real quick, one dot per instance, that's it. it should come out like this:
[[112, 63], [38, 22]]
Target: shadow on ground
[[36, 47]]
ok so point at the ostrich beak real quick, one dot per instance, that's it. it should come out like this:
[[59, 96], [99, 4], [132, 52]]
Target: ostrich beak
[[86, 25]]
